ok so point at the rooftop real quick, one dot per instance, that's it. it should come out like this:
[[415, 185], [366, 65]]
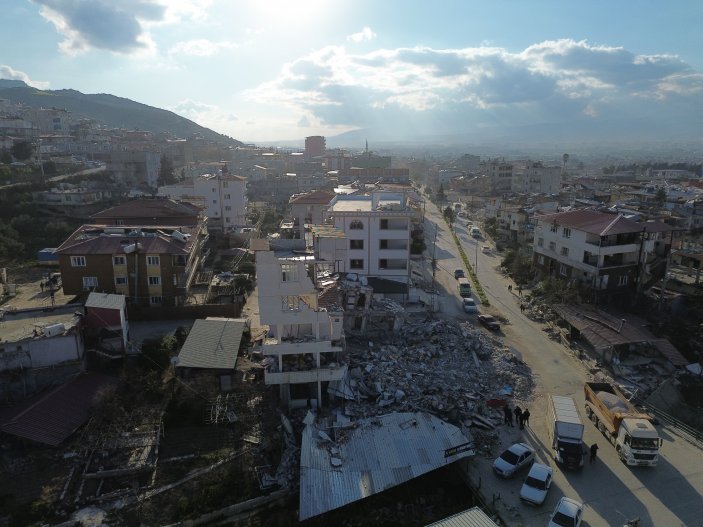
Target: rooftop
[[148, 208], [316, 197], [212, 343], [600, 223], [104, 239]]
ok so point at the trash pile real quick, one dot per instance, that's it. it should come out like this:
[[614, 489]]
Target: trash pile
[[454, 371]]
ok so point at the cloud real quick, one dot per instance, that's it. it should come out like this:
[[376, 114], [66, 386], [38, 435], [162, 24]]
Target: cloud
[[208, 115], [363, 35], [201, 47], [118, 26], [6, 72], [560, 80]]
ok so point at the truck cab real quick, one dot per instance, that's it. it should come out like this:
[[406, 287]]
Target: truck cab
[[638, 442]]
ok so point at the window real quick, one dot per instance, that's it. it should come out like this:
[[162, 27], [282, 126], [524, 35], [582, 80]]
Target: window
[[214, 201], [291, 303], [540, 259], [119, 260], [120, 280], [154, 280], [540, 242], [622, 280], [553, 228], [77, 261], [566, 232], [356, 244], [383, 244], [289, 273], [153, 260], [225, 184], [565, 251], [228, 207], [90, 283], [382, 264], [384, 224], [563, 270], [356, 225], [356, 264], [179, 260], [155, 300], [175, 280], [552, 246], [228, 196], [228, 219]]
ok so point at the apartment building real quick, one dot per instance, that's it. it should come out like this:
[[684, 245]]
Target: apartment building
[[305, 343], [222, 196], [377, 227], [135, 167], [309, 208], [531, 177], [606, 253]]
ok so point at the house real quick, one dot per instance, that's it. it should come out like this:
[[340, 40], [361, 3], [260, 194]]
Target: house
[[305, 343], [106, 316], [151, 265], [606, 253], [38, 348], [378, 228], [212, 346], [309, 208], [221, 195]]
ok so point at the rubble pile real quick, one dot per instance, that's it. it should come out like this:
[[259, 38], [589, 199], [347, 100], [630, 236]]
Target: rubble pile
[[454, 371]]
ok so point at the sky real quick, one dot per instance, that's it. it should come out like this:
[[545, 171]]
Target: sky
[[273, 70]]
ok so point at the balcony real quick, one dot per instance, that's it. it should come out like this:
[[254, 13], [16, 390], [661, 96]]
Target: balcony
[[328, 373]]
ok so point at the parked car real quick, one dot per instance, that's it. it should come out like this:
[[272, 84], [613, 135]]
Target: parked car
[[539, 479], [459, 273], [485, 249], [469, 305], [514, 459], [489, 322], [568, 513]]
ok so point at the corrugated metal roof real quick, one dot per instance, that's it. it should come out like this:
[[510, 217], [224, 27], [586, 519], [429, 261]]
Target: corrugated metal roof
[[374, 454], [212, 343], [51, 418], [105, 301], [473, 517]]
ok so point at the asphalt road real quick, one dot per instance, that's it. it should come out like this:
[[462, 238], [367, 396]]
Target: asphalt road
[[670, 494]]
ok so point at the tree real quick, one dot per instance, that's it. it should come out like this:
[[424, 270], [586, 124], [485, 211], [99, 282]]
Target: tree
[[440, 194], [449, 215], [166, 172], [22, 150], [5, 157], [660, 196]]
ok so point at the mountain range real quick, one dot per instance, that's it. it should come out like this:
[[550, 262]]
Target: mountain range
[[109, 110]]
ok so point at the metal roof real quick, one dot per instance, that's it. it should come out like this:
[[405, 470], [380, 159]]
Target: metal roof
[[52, 417], [600, 223], [370, 456], [212, 343], [473, 517], [105, 301]]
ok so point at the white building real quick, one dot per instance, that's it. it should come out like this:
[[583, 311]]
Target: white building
[[306, 339], [535, 178], [222, 195], [309, 208], [377, 227]]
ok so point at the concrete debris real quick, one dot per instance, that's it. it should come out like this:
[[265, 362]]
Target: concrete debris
[[448, 369]]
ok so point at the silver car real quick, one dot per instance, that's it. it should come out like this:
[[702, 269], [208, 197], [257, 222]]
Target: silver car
[[534, 489], [515, 458]]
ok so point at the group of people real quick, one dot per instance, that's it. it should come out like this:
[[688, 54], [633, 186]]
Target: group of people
[[522, 417]]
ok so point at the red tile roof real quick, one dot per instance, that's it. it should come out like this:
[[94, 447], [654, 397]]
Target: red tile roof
[[149, 208], [316, 197], [93, 239], [52, 417], [600, 223]]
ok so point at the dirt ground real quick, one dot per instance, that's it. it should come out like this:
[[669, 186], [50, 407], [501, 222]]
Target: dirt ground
[[29, 291]]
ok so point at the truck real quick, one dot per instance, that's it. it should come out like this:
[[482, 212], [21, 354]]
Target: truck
[[565, 430], [631, 432], [464, 287]]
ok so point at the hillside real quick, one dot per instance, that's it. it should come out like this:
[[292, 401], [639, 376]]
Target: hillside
[[112, 111]]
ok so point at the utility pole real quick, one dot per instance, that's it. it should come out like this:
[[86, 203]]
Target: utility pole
[[476, 264], [434, 266]]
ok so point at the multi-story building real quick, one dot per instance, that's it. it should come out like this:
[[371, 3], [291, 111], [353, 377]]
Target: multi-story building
[[223, 197], [309, 208], [535, 178], [606, 253], [306, 339], [314, 146], [377, 227], [499, 172], [135, 167]]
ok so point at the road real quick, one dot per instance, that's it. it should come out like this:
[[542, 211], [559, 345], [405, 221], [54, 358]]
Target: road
[[670, 494]]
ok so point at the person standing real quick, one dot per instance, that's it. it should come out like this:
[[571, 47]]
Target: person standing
[[594, 451], [519, 290], [507, 415], [525, 418], [518, 416]]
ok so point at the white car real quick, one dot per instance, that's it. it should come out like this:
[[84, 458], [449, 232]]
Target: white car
[[469, 305], [567, 514], [539, 479], [515, 458]]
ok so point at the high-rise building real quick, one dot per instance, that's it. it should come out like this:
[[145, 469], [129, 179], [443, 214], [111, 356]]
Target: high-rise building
[[314, 146]]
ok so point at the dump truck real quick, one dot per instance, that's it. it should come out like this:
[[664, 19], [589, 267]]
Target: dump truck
[[565, 430], [629, 430]]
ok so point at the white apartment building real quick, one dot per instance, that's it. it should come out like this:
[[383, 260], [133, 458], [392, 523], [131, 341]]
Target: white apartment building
[[499, 172], [607, 253], [305, 317], [222, 195], [377, 228], [535, 178], [309, 208]]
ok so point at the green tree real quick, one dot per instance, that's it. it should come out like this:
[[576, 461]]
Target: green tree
[[449, 215], [660, 197], [166, 172], [440, 194], [22, 150]]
